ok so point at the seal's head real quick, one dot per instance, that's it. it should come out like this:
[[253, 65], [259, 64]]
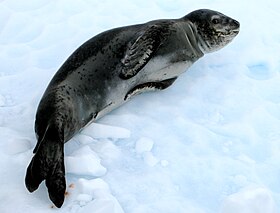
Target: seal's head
[[214, 29]]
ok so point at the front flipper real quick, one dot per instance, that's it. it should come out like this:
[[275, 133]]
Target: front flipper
[[142, 50], [149, 86]]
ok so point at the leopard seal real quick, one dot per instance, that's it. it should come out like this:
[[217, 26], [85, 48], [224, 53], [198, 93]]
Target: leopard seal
[[107, 71]]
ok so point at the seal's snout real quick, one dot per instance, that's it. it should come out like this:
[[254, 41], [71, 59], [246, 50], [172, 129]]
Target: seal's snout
[[235, 25]]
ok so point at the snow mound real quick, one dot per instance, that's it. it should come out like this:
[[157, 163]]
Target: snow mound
[[144, 145], [254, 200], [84, 161], [96, 196]]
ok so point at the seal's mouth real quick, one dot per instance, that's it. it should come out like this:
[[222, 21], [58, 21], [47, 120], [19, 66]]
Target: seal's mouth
[[235, 31], [228, 32], [233, 28]]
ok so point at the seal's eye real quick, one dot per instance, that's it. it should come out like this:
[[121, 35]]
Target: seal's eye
[[215, 21]]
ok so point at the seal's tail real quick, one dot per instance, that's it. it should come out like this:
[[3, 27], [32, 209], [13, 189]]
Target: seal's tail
[[48, 164]]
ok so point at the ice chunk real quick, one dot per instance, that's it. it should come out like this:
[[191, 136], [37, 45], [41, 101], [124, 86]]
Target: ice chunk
[[108, 150], [96, 130], [144, 145], [90, 187], [84, 162], [98, 190]]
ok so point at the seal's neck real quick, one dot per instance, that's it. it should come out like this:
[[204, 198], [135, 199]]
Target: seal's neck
[[192, 38], [201, 44]]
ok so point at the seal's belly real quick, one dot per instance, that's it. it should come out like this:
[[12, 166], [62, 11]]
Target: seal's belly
[[114, 97], [160, 69]]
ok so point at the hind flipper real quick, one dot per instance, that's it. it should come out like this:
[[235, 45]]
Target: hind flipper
[[56, 183], [48, 164], [35, 174]]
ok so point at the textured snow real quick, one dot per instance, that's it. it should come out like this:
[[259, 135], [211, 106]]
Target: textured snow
[[84, 162], [144, 145], [96, 130], [253, 200], [208, 144]]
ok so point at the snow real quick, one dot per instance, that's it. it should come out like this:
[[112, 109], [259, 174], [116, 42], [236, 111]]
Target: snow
[[96, 130], [96, 192], [84, 162], [210, 143], [251, 200], [144, 145]]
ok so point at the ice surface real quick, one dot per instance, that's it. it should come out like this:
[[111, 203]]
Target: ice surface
[[2, 100], [252, 200], [197, 147], [96, 130]]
